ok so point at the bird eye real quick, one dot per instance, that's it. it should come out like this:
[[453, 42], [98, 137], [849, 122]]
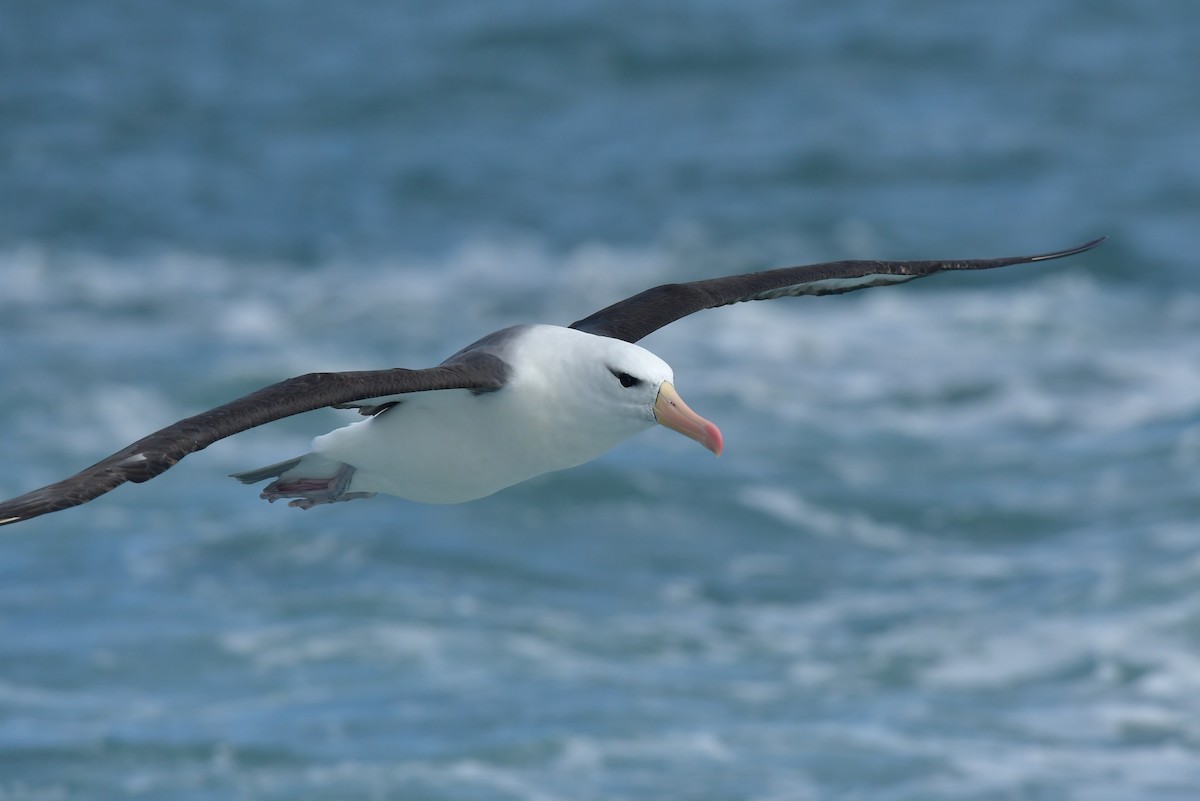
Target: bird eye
[[626, 379]]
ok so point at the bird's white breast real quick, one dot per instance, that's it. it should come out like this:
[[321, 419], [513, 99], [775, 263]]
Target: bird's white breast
[[451, 446]]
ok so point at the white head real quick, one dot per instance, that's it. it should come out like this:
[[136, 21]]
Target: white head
[[614, 388]]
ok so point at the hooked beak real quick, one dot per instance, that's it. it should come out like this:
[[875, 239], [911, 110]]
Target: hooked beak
[[672, 412]]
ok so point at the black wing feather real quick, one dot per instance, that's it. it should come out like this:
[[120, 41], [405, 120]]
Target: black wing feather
[[156, 453], [637, 316]]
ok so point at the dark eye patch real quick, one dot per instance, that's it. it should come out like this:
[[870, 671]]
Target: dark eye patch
[[625, 378]]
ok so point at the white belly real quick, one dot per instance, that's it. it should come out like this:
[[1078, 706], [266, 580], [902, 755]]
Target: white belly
[[451, 446]]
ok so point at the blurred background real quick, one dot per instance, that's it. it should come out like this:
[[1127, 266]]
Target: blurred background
[[951, 551]]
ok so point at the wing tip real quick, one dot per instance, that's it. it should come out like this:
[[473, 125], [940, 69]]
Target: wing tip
[[1060, 254]]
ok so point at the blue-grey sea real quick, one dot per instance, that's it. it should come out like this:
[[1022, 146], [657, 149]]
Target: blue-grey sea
[[951, 552]]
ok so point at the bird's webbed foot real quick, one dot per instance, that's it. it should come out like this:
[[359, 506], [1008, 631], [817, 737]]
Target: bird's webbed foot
[[310, 492]]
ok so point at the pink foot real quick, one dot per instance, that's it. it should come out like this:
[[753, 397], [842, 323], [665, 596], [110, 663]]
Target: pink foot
[[310, 492]]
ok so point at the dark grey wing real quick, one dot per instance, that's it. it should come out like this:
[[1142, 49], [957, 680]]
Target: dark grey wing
[[154, 454], [635, 317]]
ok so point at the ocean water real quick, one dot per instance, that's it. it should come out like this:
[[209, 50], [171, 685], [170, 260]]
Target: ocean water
[[951, 551]]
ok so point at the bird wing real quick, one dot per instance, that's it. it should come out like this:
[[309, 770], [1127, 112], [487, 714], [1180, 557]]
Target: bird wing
[[646, 312], [156, 453]]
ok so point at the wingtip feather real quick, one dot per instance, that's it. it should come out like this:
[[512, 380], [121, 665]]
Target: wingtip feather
[[1059, 254]]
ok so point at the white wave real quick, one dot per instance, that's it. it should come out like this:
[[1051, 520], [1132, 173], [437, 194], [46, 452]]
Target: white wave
[[789, 508], [500, 282], [578, 753], [286, 646], [1057, 351]]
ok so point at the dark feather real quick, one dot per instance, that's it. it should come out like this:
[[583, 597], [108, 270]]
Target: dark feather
[[156, 453], [637, 316]]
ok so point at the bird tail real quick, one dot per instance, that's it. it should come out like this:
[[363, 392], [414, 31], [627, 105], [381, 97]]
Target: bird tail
[[270, 471]]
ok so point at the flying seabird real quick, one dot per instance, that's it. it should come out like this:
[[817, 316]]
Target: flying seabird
[[520, 402]]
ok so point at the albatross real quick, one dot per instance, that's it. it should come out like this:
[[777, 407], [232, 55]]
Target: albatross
[[520, 402]]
